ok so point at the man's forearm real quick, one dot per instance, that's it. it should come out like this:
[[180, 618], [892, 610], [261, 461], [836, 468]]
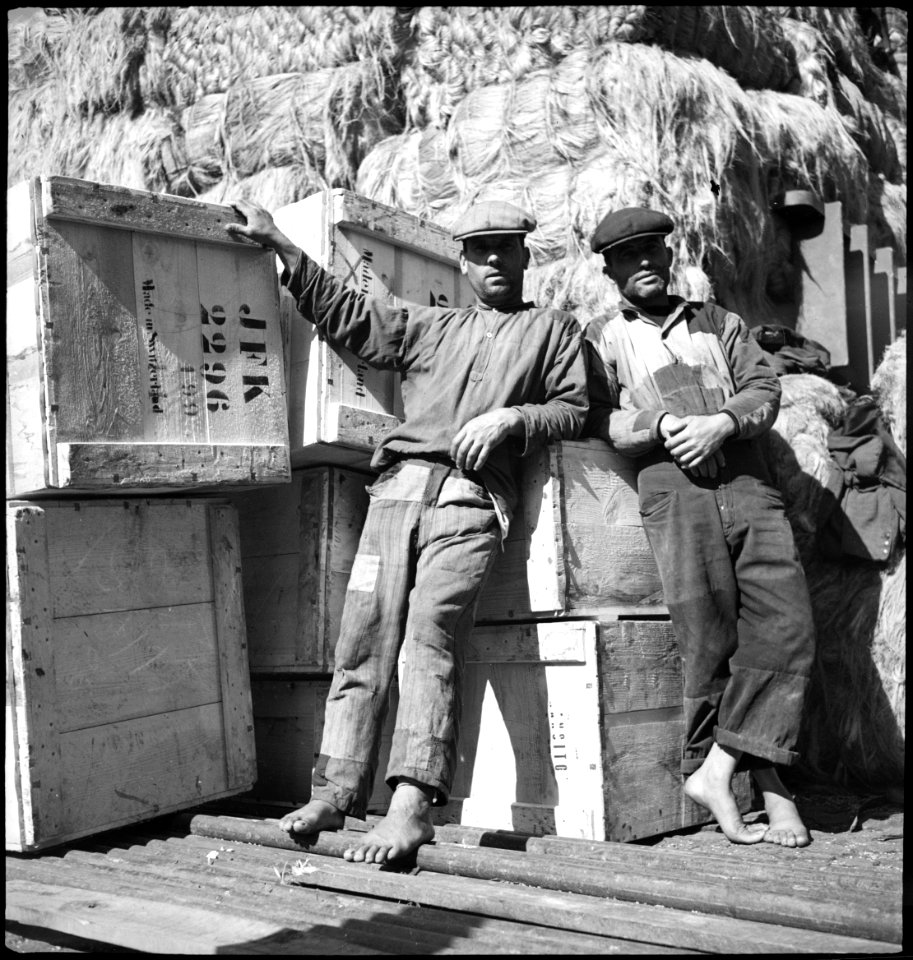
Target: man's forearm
[[287, 251]]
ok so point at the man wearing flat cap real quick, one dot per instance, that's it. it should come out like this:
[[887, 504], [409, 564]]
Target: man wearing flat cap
[[685, 391], [482, 385]]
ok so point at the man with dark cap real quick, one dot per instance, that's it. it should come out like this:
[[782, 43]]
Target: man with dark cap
[[482, 385], [685, 391]]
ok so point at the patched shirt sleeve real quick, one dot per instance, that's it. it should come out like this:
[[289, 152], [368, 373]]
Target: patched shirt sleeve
[[563, 413], [627, 430], [371, 329], [756, 401]]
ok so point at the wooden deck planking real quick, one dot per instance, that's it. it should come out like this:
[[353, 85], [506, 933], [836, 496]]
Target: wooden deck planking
[[153, 883]]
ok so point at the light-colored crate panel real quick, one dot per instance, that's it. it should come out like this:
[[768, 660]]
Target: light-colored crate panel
[[137, 323], [128, 690], [119, 666], [576, 544]]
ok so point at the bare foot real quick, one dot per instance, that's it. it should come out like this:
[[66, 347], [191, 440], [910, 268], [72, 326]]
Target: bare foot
[[406, 826], [784, 825], [314, 816], [711, 786]]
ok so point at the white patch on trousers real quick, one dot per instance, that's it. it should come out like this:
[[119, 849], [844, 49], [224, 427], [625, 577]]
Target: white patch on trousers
[[365, 568]]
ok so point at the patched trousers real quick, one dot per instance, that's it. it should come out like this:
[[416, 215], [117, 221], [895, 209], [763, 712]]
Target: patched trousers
[[738, 601], [429, 539]]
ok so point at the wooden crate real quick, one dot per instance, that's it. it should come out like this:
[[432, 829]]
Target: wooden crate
[[570, 728], [298, 543], [144, 347], [574, 728], [576, 544], [128, 693], [288, 726], [339, 407]]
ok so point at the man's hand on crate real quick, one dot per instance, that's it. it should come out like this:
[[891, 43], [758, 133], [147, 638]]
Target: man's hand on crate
[[475, 441], [261, 228]]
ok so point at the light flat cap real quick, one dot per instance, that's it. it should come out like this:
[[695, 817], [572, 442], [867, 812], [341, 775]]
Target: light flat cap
[[493, 216], [629, 224]]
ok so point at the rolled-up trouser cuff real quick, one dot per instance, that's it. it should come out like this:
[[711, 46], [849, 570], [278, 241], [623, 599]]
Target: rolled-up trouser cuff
[[757, 748], [353, 803]]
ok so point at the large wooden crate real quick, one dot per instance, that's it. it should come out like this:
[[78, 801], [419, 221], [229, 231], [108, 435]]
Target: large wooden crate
[[574, 728], [128, 693], [144, 346], [576, 545], [570, 728], [339, 407], [298, 542]]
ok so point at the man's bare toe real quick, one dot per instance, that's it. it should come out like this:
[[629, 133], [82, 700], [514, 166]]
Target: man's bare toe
[[314, 816], [792, 836]]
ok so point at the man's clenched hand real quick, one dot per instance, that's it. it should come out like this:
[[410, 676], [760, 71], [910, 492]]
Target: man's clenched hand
[[695, 441]]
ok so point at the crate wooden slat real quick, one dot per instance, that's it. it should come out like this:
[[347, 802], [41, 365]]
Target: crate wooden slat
[[144, 345], [298, 542], [128, 689], [576, 545], [339, 406]]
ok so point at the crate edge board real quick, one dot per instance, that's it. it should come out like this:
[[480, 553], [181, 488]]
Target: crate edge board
[[92, 465], [231, 635], [85, 201], [128, 821], [351, 426], [32, 668], [347, 209]]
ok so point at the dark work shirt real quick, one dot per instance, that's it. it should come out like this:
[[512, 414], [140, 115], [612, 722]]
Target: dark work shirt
[[457, 363]]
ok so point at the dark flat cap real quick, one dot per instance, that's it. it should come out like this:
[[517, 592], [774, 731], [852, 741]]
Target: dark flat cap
[[628, 224], [493, 216]]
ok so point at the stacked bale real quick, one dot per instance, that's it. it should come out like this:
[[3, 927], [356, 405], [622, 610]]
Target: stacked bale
[[855, 715], [220, 97]]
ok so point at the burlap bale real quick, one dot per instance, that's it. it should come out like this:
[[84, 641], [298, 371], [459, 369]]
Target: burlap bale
[[747, 42], [327, 119], [460, 49], [209, 49], [810, 407], [272, 187], [889, 386], [853, 729], [411, 171], [866, 124]]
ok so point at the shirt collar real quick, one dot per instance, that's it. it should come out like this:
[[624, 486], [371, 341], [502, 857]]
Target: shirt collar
[[513, 308], [628, 310]]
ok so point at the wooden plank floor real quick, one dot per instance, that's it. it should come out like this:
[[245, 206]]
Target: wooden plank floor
[[225, 879], [196, 883]]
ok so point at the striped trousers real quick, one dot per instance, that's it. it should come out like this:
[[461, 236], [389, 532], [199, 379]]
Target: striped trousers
[[430, 536]]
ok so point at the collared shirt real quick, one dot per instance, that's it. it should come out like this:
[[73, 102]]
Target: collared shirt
[[456, 364], [699, 359]]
